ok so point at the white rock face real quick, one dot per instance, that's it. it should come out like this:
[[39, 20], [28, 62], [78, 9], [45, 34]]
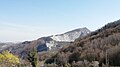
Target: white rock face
[[71, 35], [50, 44]]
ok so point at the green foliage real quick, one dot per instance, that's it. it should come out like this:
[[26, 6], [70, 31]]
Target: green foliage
[[32, 57], [8, 60]]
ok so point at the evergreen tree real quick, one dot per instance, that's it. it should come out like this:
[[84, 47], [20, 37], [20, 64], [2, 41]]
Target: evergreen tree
[[32, 57]]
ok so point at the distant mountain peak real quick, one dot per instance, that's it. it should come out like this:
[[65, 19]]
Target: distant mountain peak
[[71, 35], [78, 29]]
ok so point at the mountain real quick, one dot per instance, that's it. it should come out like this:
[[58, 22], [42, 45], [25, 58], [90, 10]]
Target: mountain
[[54, 42], [5, 45], [99, 47], [71, 35]]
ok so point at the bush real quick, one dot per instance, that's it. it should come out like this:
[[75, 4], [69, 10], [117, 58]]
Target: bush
[[8, 60]]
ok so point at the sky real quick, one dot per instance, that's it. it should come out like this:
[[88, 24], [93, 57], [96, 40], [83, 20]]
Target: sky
[[22, 20]]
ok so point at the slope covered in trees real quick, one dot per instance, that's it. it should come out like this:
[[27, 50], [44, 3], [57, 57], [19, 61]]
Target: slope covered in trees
[[101, 45]]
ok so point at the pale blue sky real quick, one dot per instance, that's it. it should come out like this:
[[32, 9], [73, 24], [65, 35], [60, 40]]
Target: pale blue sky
[[30, 19]]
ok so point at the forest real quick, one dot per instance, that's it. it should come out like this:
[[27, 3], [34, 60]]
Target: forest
[[100, 48]]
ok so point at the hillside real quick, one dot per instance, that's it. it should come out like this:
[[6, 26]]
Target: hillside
[[101, 46], [52, 43], [71, 35]]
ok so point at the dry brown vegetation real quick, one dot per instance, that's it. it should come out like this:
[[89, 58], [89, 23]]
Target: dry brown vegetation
[[98, 46]]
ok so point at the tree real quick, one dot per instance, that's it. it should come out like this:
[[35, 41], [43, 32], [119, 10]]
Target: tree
[[8, 60], [32, 57]]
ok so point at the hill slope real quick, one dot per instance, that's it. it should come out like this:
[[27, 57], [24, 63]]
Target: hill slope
[[101, 45], [71, 35], [53, 42]]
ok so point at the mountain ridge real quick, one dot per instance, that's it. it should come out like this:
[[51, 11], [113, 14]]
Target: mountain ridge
[[93, 48], [71, 35], [41, 44]]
